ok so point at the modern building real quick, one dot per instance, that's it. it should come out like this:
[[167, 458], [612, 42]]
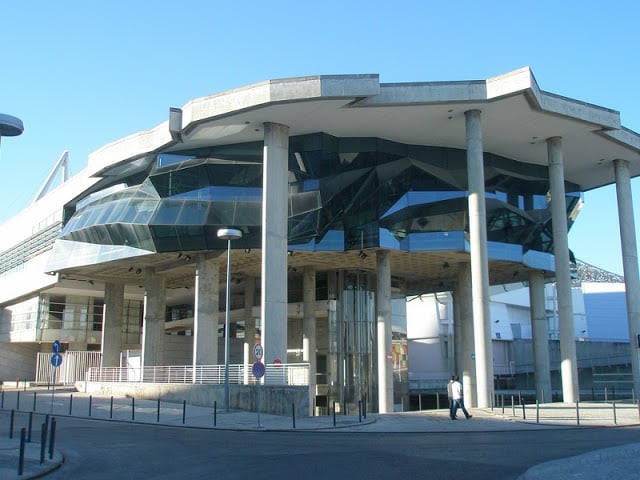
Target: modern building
[[350, 195]]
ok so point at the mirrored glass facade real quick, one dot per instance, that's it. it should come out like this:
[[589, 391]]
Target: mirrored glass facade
[[344, 194]]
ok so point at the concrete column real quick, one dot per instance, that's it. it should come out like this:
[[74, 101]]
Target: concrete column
[[629, 263], [249, 326], [206, 313], [479, 260], [154, 317], [112, 324], [383, 315], [540, 331], [275, 191], [457, 333], [467, 367], [568, 364], [309, 331]]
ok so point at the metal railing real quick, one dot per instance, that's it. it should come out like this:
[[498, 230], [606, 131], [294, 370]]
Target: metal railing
[[275, 374]]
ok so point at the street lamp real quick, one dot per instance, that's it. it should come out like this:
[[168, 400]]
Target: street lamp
[[228, 234]]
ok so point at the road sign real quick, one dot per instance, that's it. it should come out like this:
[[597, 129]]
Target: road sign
[[56, 346], [56, 359], [258, 351], [277, 362], [258, 369]]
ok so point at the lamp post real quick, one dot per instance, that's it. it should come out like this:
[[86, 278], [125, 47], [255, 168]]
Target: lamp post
[[228, 234]]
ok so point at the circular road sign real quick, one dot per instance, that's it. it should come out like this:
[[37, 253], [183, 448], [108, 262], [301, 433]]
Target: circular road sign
[[258, 351], [56, 359], [258, 369], [277, 362], [56, 346]]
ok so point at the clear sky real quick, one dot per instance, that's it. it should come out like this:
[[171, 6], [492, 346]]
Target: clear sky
[[83, 73]]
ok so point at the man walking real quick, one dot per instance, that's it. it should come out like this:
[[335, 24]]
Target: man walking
[[450, 394], [458, 402]]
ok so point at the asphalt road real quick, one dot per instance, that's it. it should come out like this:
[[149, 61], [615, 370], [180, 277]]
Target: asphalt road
[[107, 450]]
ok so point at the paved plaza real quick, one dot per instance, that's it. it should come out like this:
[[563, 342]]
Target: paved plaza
[[41, 406]]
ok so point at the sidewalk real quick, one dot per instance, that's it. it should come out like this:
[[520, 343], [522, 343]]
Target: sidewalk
[[40, 403]]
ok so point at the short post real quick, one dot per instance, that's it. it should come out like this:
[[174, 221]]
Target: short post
[[577, 413], [18, 401], [184, 410], [615, 419], [21, 458], [2, 401], [111, 407], [502, 401], [520, 397], [293, 414], [513, 407], [334, 413], [11, 419], [34, 402], [524, 412], [90, 403], [606, 396], [359, 411], [437, 400], [537, 411], [30, 425], [364, 407], [158, 412], [70, 403], [43, 439], [215, 413], [419, 402], [52, 438], [133, 409]]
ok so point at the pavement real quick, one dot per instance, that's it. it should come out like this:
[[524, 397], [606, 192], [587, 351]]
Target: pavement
[[40, 406]]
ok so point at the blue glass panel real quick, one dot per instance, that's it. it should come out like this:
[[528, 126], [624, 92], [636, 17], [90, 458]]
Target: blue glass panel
[[434, 241], [504, 251]]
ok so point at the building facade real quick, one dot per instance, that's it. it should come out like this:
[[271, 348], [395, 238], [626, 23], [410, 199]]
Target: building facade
[[350, 195]]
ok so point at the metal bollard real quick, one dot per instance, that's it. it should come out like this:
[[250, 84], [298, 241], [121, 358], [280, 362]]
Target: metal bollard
[[2, 401], [359, 411], [70, 403], [577, 413], [43, 441], [184, 410], [52, 438], [513, 407], [133, 409], [438, 401], [524, 412], [537, 411], [13, 413], [419, 402], [18, 401], [34, 402], [502, 401], [30, 425], [334, 413], [364, 408], [158, 413], [90, 403], [293, 414], [21, 458], [215, 413], [111, 407], [606, 396], [615, 419]]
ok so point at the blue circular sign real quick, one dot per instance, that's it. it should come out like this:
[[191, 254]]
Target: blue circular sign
[[56, 346], [56, 359], [258, 369]]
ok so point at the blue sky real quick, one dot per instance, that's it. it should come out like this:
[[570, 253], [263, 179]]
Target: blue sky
[[81, 74]]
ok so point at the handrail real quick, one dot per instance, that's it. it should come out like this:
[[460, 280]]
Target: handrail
[[239, 374]]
